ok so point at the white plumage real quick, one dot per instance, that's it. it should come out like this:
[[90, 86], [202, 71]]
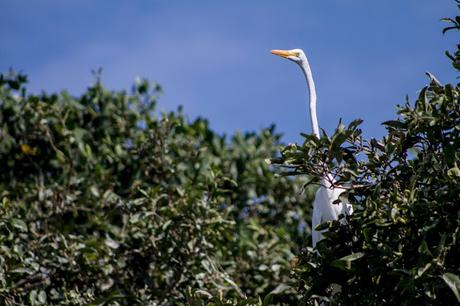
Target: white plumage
[[324, 208]]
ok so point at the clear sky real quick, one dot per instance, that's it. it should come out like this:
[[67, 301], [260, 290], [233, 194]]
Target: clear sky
[[213, 57]]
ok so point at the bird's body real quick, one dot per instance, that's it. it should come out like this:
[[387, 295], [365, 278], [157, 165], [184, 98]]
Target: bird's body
[[324, 208]]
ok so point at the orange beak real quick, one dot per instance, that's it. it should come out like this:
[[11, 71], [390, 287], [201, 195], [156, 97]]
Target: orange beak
[[282, 53]]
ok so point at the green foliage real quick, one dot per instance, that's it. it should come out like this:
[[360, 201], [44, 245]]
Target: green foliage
[[104, 202], [454, 24], [402, 244]]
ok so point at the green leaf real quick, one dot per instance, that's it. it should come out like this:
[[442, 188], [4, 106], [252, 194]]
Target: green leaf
[[423, 249], [267, 299], [453, 281], [33, 297], [355, 123], [344, 263], [323, 226], [19, 224], [454, 172], [280, 289], [394, 124], [42, 297], [338, 139]]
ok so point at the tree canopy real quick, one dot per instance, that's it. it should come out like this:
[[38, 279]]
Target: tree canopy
[[402, 243], [105, 201]]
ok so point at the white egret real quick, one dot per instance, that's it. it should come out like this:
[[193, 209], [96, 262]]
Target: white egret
[[323, 207]]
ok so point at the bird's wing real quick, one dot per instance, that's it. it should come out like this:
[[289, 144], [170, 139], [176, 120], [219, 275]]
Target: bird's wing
[[332, 195], [324, 208], [316, 219]]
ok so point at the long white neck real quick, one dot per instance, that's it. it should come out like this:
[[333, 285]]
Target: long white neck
[[305, 66]]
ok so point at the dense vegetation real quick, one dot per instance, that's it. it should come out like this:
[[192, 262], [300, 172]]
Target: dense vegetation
[[103, 201], [402, 244]]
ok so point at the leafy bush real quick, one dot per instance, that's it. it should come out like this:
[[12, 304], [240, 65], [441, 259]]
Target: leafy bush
[[104, 202], [402, 244]]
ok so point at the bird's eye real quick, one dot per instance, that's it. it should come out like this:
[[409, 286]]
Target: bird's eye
[[297, 54]]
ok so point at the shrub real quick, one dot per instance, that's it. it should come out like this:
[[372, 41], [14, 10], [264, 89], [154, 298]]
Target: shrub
[[402, 243], [105, 202]]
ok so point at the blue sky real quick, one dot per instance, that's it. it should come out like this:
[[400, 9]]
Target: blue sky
[[213, 57]]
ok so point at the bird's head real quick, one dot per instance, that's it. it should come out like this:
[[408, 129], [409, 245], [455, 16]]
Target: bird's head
[[295, 55]]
